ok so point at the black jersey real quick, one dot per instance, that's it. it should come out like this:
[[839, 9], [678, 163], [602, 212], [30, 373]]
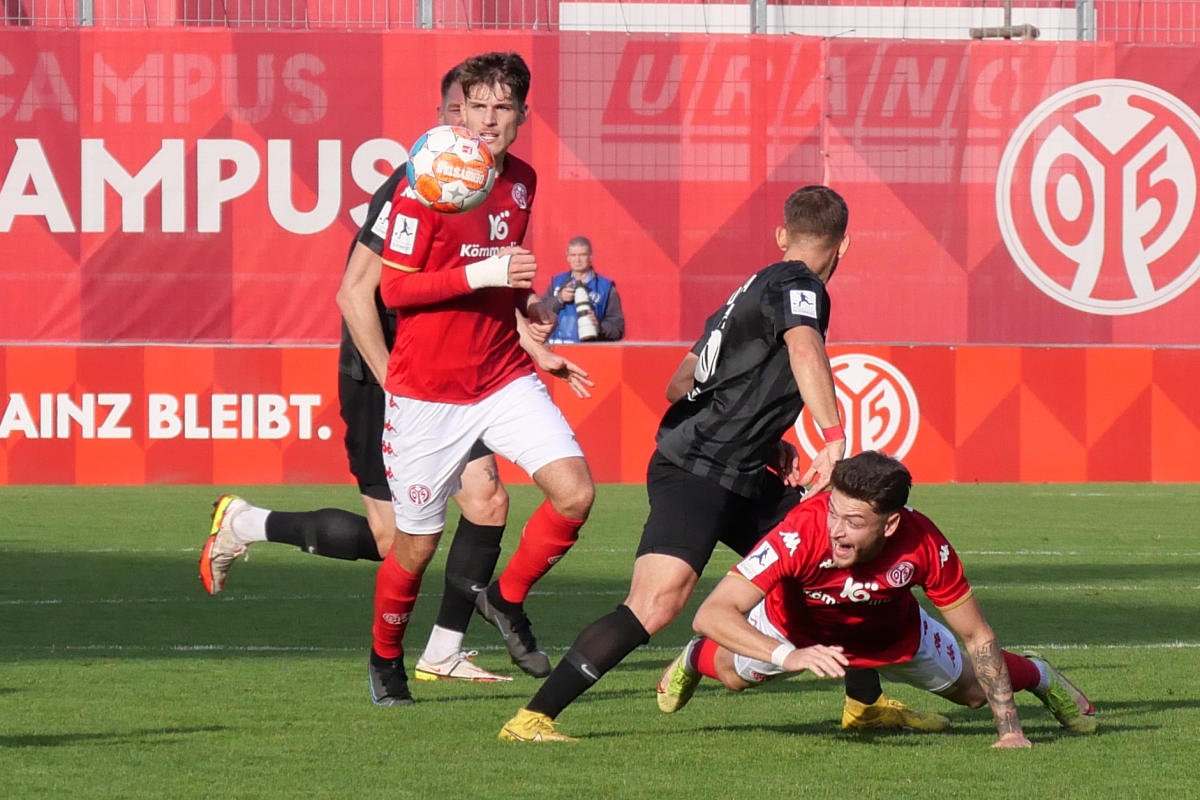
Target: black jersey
[[371, 234], [745, 396]]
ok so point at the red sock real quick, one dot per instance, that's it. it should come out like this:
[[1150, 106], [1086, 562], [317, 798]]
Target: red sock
[[395, 595], [1024, 673], [546, 538], [704, 658]]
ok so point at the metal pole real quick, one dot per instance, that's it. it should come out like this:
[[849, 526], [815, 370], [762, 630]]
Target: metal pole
[[1085, 20], [87, 13], [425, 14], [758, 16]]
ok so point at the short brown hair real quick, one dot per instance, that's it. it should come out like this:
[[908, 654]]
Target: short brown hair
[[816, 212], [492, 69], [874, 478]]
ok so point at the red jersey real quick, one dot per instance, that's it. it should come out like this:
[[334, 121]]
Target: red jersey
[[454, 345], [868, 609]]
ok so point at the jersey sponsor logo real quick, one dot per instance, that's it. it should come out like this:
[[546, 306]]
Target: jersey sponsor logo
[[878, 406], [379, 227], [822, 597], [404, 234], [1097, 197], [477, 251], [419, 494], [803, 303], [757, 562], [791, 540], [900, 575], [520, 195]]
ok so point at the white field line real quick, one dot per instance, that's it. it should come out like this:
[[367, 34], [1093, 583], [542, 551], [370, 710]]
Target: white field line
[[1072, 588], [224, 648], [629, 552]]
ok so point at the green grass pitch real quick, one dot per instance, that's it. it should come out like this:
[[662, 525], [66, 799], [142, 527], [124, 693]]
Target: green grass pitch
[[121, 678]]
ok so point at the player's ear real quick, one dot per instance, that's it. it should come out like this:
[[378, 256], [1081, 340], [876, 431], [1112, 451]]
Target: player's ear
[[522, 115], [844, 246], [893, 522], [781, 238]]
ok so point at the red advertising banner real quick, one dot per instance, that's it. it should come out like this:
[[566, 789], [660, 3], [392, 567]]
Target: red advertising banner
[[202, 186], [174, 414]]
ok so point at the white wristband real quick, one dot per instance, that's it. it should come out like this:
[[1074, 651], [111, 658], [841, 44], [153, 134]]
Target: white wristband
[[780, 653], [489, 272]]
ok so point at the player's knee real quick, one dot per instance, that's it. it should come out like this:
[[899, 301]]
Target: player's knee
[[575, 502]]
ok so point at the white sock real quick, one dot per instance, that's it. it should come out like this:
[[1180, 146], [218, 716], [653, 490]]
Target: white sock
[[250, 525], [442, 644], [1044, 680]]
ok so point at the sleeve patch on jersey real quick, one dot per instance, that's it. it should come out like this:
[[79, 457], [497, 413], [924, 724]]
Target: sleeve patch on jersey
[[404, 234], [379, 229], [757, 562], [803, 302]]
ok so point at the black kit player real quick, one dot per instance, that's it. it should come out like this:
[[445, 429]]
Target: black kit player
[[721, 471], [336, 533]]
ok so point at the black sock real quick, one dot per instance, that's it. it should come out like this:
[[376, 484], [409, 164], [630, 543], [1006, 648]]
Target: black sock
[[470, 563], [330, 532], [863, 685], [598, 648]]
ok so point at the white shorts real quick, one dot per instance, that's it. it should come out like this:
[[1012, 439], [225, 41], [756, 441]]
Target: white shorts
[[425, 445], [933, 668]]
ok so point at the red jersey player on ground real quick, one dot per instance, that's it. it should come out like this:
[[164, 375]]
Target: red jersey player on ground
[[457, 374], [832, 586]]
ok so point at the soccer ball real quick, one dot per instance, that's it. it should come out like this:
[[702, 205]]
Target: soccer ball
[[450, 169]]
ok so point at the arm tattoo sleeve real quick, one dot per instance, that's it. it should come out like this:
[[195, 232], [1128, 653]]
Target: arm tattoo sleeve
[[993, 677]]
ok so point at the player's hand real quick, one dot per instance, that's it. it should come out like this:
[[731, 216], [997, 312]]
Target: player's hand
[[1012, 741], [819, 659], [564, 369], [541, 319], [787, 463], [522, 267], [818, 475]]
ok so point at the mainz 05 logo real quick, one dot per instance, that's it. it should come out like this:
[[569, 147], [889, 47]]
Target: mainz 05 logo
[[1097, 197], [878, 406]]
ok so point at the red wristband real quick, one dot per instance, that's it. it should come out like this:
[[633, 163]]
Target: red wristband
[[834, 433]]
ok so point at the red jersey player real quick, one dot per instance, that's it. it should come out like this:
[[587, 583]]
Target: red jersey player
[[457, 374], [832, 586]]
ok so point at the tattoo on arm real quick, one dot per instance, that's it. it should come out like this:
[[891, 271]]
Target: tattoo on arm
[[997, 685]]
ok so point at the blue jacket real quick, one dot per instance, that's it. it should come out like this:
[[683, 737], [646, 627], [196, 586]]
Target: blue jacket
[[599, 290]]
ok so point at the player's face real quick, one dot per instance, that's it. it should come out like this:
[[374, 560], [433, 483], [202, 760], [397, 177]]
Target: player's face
[[450, 112], [493, 114], [857, 532]]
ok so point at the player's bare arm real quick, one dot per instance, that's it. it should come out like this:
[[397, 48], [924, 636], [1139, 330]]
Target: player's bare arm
[[722, 618], [356, 301], [684, 378], [810, 367], [549, 361], [967, 622]]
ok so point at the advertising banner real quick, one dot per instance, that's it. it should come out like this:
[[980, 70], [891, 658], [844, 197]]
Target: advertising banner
[[173, 414], [202, 186]]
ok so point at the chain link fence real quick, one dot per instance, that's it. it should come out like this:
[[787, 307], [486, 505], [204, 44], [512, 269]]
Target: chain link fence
[[1142, 21]]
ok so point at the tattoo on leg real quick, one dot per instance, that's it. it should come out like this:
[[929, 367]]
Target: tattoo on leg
[[997, 685]]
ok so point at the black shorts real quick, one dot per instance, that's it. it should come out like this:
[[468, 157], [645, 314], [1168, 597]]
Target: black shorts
[[362, 405], [690, 514]]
